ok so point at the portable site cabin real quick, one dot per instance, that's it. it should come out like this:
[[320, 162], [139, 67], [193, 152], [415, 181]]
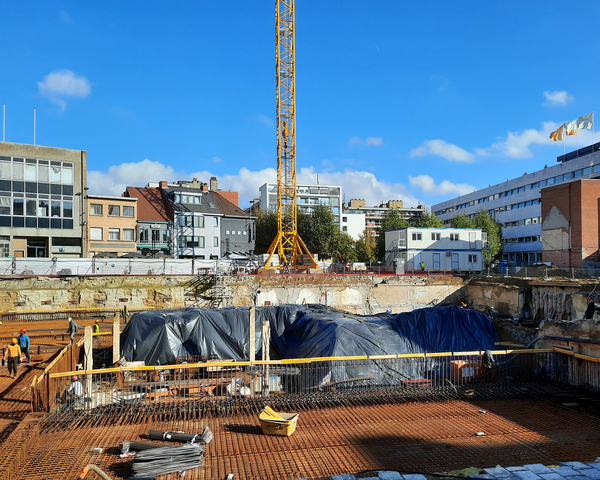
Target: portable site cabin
[[440, 249]]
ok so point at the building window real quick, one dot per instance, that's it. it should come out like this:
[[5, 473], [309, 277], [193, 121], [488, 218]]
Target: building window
[[215, 221], [128, 234], [68, 209], [114, 211], [95, 233], [199, 222], [416, 236], [188, 242], [472, 258], [165, 235], [96, 209], [435, 236], [143, 236], [344, 228], [114, 234], [226, 232], [128, 211], [344, 219], [454, 237], [55, 209], [216, 242], [239, 233], [201, 242]]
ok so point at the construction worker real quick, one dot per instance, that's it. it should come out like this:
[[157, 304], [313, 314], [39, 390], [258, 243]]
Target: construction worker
[[25, 343], [72, 329], [13, 353], [124, 311], [422, 266], [96, 327]]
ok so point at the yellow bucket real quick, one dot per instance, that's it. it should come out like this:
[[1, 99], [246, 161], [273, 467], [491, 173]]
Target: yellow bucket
[[284, 426]]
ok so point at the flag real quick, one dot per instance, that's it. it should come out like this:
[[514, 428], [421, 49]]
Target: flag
[[581, 123], [557, 134], [586, 122]]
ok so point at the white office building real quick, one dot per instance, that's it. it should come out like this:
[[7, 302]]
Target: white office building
[[307, 196], [516, 203]]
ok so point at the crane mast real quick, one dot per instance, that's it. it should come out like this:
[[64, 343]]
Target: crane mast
[[292, 251]]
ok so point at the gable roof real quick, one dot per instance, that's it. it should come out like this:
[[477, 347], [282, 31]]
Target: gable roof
[[152, 204], [227, 207]]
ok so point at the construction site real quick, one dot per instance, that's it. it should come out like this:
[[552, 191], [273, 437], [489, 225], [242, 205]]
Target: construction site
[[292, 373], [439, 406]]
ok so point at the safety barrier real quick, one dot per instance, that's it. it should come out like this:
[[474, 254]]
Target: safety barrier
[[297, 380]]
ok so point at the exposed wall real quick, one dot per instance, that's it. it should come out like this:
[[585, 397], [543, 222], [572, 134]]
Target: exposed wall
[[353, 294]]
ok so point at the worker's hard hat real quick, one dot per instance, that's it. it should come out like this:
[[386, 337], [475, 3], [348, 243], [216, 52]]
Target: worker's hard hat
[[23, 330], [14, 340], [70, 319], [74, 378]]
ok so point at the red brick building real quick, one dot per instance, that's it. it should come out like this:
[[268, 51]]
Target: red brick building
[[570, 237]]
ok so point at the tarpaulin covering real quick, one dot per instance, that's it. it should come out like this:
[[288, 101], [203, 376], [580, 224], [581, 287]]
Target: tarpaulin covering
[[302, 331]]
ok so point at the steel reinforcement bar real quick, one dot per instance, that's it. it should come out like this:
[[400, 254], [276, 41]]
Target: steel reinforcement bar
[[216, 388]]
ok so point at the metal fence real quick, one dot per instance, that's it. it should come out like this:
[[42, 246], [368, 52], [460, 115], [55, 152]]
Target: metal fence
[[217, 384], [110, 266]]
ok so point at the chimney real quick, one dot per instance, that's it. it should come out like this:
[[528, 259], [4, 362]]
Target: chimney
[[214, 184], [204, 187], [163, 184]]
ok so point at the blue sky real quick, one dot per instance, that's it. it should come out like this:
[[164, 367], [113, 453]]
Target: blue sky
[[419, 101]]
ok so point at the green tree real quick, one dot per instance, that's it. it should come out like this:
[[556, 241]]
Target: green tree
[[393, 219], [366, 247], [461, 221], [345, 248], [428, 219], [320, 232], [493, 229], [266, 230]]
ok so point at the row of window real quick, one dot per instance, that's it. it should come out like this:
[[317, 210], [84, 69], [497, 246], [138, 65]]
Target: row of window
[[524, 188], [32, 170], [35, 222], [195, 242], [195, 221], [190, 199], [511, 241], [35, 207], [523, 221], [514, 206], [97, 209], [435, 236], [156, 236], [33, 187], [525, 257], [114, 234]]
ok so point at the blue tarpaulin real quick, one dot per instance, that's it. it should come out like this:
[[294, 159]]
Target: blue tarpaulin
[[302, 331]]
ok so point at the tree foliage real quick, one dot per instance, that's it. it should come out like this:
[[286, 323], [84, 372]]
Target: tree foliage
[[345, 249], [493, 229], [366, 247], [266, 230], [461, 221], [319, 231], [428, 219], [393, 219]]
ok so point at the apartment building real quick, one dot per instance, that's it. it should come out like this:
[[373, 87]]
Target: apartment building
[[516, 203], [356, 210], [307, 196], [111, 223], [154, 221], [42, 192]]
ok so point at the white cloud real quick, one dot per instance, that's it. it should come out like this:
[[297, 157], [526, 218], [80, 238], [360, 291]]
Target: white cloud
[[355, 184], [368, 142], [442, 149], [217, 160], [517, 144], [64, 83], [132, 174], [262, 118], [428, 185], [558, 98]]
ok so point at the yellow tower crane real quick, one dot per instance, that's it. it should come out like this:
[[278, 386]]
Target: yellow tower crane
[[292, 251]]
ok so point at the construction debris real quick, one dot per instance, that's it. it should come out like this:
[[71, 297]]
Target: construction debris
[[203, 439]]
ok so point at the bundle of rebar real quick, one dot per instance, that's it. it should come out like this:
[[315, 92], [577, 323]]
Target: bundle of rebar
[[138, 445], [164, 460], [204, 438]]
